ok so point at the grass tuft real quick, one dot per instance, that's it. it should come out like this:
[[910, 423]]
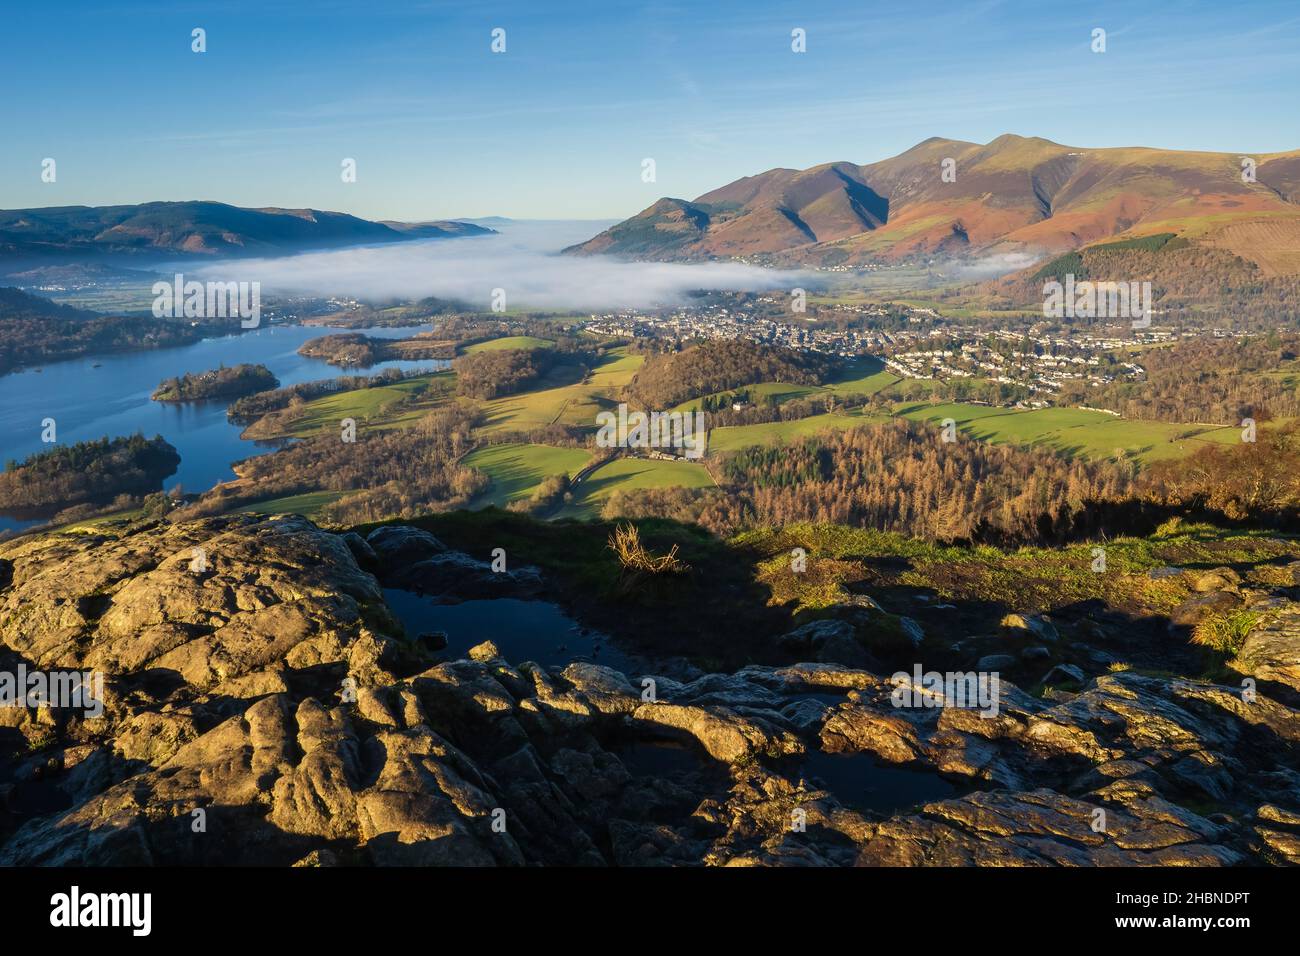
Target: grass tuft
[[1225, 632], [635, 557]]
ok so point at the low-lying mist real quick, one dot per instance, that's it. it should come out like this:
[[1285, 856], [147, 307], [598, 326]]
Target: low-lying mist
[[991, 265], [523, 259]]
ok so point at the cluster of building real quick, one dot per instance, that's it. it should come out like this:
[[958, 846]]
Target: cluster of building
[[737, 322], [1040, 357], [1036, 360]]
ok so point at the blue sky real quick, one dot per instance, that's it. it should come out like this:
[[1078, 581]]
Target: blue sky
[[558, 125]]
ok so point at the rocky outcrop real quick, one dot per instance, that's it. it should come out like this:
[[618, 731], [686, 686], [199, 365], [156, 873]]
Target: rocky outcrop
[[409, 558], [1033, 625], [860, 633], [1271, 651], [263, 707]]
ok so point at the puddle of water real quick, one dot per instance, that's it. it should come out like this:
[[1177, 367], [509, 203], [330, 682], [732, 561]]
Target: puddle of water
[[658, 758], [862, 783], [829, 698], [524, 630], [37, 798]]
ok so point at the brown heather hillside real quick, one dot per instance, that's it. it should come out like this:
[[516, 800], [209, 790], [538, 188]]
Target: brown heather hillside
[[1185, 277], [1015, 194]]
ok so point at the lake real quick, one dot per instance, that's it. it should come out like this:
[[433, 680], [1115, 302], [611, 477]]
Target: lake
[[537, 631], [103, 395], [860, 781], [100, 396]]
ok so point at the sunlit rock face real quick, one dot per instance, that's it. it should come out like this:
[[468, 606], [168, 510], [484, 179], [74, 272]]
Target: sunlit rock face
[[260, 705]]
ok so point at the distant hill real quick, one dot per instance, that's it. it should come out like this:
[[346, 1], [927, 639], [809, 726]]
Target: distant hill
[[201, 229], [1186, 276], [439, 229], [1013, 195], [487, 220], [28, 275], [19, 306]]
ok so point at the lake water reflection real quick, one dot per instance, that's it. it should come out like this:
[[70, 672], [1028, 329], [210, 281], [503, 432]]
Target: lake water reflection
[[109, 395]]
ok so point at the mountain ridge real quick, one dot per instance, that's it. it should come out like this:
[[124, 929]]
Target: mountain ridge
[[200, 228], [1013, 194]]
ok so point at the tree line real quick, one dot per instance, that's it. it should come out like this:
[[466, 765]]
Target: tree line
[[901, 476], [393, 473], [670, 378], [1205, 380], [249, 408], [896, 476], [218, 383], [496, 372], [1255, 481], [34, 330], [88, 472]]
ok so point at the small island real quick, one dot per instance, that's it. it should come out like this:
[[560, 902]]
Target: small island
[[354, 350], [88, 472], [221, 382]]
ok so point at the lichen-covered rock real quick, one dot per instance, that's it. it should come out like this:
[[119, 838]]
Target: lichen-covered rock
[[1271, 651], [396, 546], [1032, 625], [1043, 828], [261, 708], [1200, 606]]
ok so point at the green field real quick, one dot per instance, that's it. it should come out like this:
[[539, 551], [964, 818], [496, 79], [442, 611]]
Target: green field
[[1071, 431], [305, 504], [1226, 435], [627, 474], [734, 437], [517, 469], [862, 376], [368, 405], [924, 389], [775, 392], [615, 369], [361, 404], [509, 342], [530, 410], [560, 399]]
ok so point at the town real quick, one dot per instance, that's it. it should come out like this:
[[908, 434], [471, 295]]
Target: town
[[1040, 357]]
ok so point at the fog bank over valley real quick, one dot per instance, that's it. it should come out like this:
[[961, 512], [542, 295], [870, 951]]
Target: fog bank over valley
[[523, 259]]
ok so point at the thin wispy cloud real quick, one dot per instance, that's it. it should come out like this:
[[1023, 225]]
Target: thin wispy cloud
[[559, 124]]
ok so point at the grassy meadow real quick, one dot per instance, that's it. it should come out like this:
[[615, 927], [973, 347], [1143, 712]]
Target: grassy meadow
[[627, 474], [517, 469], [569, 395]]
